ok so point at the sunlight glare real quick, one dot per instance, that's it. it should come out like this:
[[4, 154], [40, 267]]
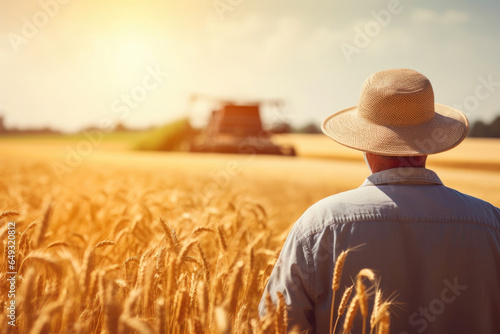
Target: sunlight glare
[[133, 56]]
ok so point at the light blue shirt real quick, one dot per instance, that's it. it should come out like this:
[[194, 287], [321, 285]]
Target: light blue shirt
[[436, 249]]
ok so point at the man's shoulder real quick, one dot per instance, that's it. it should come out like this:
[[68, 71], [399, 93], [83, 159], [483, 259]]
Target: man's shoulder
[[347, 202], [472, 199], [370, 203], [340, 207], [351, 197], [479, 206]]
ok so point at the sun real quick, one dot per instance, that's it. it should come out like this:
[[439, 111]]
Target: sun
[[132, 56]]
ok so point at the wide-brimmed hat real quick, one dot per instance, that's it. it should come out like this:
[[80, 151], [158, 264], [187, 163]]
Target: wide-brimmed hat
[[396, 116]]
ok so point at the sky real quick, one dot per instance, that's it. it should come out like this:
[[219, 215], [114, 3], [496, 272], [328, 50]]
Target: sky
[[73, 63]]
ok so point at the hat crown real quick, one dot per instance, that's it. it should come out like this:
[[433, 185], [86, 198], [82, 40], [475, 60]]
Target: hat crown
[[397, 97]]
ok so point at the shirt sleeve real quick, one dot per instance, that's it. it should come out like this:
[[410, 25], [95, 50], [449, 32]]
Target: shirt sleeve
[[292, 276]]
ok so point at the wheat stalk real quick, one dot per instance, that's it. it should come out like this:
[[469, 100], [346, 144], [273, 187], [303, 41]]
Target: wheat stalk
[[160, 260], [384, 322], [24, 245], [103, 243], [181, 306], [136, 324], [25, 297], [42, 324], [161, 324], [376, 307], [201, 229], [46, 260], [171, 235], [362, 294], [112, 310], [42, 228], [203, 300], [235, 287], [343, 305], [206, 265], [281, 315], [337, 274], [57, 244], [222, 238], [351, 313], [7, 214], [240, 319]]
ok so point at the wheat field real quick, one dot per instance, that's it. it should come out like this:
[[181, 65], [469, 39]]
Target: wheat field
[[116, 251], [161, 243]]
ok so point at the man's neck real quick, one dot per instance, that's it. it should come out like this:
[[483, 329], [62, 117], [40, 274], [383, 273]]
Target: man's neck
[[379, 163]]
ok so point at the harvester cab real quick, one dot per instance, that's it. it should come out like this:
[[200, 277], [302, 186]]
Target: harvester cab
[[236, 127]]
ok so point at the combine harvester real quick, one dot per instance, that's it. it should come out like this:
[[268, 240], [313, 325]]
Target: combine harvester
[[237, 128]]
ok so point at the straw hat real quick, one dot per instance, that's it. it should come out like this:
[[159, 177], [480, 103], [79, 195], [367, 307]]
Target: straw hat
[[396, 116]]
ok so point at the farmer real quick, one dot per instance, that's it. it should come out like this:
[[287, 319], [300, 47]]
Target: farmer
[[436, 250]]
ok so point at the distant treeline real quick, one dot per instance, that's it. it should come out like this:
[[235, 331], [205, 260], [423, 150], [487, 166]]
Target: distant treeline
[[44, 130], [481, 129], [477, 129], [310, 128]]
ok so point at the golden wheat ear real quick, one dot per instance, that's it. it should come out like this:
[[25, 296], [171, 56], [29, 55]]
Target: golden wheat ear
[[336, 278], [337, 275], [7, 214], [343, 305], [350, 315]]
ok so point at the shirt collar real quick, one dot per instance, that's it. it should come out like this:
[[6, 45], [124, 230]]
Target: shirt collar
[[404, 175]]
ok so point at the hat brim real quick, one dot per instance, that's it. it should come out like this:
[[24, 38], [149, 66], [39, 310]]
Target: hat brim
[[445, 130]]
